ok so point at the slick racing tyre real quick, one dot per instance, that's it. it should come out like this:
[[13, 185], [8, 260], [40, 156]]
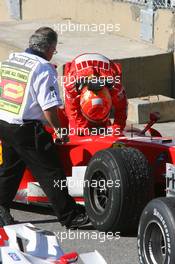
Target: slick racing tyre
[[116, 189], [5, 217], [156, 233]]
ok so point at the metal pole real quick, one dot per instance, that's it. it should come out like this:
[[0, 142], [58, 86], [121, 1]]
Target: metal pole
[[14, 7]]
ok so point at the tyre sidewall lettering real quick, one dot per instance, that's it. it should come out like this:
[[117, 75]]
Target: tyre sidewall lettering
[[151, 216], [158, 216]]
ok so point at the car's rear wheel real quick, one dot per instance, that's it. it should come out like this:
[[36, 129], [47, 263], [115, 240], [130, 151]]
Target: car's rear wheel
[[156, 233], [117, 188]]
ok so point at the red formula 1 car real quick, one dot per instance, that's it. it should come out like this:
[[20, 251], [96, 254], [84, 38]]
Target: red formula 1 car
[[114, 175]]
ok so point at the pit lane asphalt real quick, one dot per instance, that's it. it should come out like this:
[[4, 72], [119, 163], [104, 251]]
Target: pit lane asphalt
[[115, 250]]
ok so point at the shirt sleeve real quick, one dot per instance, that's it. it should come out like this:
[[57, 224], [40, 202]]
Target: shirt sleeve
[[46, 87]]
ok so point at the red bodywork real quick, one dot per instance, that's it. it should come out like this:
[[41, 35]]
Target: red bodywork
[[79, 150]]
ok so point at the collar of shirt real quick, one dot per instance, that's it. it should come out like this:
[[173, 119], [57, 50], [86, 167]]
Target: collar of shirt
[[35, 52]]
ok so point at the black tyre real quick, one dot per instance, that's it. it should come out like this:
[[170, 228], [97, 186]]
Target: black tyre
[[125, 176], [5, 217], [156, 233]]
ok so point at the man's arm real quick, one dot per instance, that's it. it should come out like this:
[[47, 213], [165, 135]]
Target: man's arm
[[52, 117]]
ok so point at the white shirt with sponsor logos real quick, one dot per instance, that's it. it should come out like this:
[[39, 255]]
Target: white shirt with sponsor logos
[[41, 91]]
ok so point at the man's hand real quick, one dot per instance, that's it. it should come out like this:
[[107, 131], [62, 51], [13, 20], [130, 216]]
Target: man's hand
[[51, 115], [59, 138]]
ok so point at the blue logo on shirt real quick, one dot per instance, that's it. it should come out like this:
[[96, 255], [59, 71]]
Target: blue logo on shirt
[[53, 91], [14, 256]]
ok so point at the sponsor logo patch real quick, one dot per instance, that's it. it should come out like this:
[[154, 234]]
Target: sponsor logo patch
[[53, 91], [14, 256]]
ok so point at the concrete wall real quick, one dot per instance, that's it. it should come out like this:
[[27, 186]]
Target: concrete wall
[[164, 29], [5, 50], [4, 13], [142, 76], [38, 9], [87, 11], [100, 11], [105, 11], [148, 75]]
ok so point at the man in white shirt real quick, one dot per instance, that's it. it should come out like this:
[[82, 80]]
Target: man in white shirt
[[29, 97]]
